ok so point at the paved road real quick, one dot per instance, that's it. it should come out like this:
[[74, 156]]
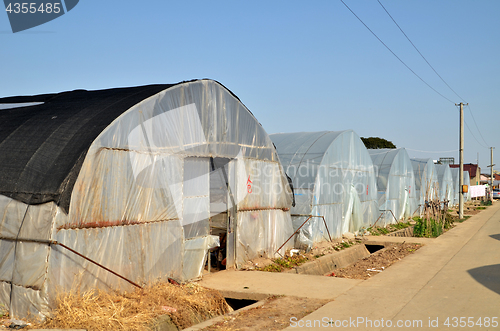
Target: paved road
[[452, 283]]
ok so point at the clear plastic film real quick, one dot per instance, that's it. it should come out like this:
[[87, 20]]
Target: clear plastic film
[[395, 183], [456, 185], [146, 199], [426, 181], [261, 233], [446, 185], [326, 169]]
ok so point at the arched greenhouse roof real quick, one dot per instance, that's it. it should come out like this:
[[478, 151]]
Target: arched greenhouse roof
[[446, 185], [395, 183], [44, 138], [333, 176]]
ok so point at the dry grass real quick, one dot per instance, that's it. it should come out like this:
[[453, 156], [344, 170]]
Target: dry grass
[[101, 310]]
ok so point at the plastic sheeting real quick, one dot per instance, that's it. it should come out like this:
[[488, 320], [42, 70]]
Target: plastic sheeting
[[395, 184], [333, 177], [456, 184], [143, 201], [426, 181], [467, 182], [446, 185]]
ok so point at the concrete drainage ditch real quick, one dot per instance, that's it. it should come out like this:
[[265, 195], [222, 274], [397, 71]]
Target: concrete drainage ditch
[[326, 264], [165, 323]]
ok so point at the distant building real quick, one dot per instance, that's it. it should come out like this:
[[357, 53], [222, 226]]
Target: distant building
[[486, 179], [474, 172], [446, 160]]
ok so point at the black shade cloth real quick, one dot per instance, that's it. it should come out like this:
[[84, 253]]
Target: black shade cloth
[[42, 147]]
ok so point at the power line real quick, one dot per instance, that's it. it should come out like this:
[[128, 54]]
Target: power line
[[480, 144], [470, 110], [395, 53], [423, 57], [442, 79], [437, 152]]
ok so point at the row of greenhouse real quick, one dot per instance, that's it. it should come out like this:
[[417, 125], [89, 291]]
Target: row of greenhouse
[[146, 180]]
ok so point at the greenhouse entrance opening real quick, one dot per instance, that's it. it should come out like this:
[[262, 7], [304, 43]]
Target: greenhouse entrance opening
[[219, 217]]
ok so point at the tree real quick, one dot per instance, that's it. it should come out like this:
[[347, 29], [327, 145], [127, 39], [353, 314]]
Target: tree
[[377, 143]]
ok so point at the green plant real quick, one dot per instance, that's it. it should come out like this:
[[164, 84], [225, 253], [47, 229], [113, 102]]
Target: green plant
[[480, 208], [284, 263], [464, 219], [428, 228], [485, 203], [399, 225], [4, 312]]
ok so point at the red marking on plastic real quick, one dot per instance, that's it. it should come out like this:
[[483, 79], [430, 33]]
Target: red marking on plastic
[[249, 185]]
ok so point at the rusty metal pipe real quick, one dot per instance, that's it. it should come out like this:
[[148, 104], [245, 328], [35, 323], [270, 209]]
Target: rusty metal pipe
[[278, 251], [308, 218], [96, 263], [326, 226], [53, 242]]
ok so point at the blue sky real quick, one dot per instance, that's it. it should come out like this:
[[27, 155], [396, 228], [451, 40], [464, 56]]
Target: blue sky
[[297, 65]]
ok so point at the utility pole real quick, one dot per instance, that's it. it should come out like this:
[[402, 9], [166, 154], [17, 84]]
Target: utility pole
[[491, 180], [461, 157]]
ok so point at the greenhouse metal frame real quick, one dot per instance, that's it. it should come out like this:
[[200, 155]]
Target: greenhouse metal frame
[[333, 177], [143, 180], [446, 184], [397, 197], [426, 181]]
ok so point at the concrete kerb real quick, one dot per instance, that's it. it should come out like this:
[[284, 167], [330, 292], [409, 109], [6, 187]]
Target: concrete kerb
[[405, 279], [330, 262], [223, 318]]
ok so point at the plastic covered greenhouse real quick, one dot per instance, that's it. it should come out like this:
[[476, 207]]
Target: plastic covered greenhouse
[[333, 177], [446, 184], [456, 185], [397, 197], [143, 180], [425, 181]]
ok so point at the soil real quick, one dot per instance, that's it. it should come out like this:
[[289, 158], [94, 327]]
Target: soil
[[319, 249], [470, 209], [275, 314], [377, 262]]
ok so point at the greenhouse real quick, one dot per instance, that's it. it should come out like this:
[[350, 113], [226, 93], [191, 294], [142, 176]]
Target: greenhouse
[[397, 199], [426, 183], [446, 185], [333, 178], [456, 185], [142, 180], [467, 182]]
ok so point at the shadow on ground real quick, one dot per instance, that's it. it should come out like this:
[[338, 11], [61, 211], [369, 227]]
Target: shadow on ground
[[495, 236], [488, 275]]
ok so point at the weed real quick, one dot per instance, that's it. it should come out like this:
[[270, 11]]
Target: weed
[[284, 263], [4, 312], [428, 228], [485, 203], [464, 219], [346, 244]]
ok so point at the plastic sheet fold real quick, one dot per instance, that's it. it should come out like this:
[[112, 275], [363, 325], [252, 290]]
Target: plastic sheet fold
[[333, 176], [426, 181], [446, 185], [397, 197], [153, 186]]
